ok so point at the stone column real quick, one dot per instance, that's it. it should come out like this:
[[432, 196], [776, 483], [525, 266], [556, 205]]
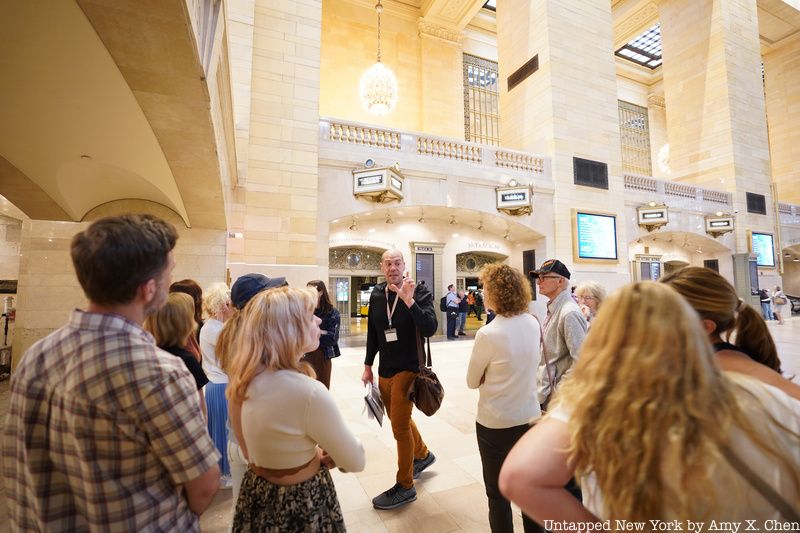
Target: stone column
[[715, 102], [442, 86], [277, 206], [568, 108], [659, 144], [782, 84]]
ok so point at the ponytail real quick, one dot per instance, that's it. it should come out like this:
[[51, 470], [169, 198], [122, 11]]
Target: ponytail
[[753, 337]]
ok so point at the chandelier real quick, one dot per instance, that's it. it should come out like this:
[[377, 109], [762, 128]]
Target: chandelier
[[378, 85]]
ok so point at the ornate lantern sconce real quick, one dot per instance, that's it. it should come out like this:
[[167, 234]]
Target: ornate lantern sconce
[[653, 216], [378, 184], [514, 199], [719, 224]]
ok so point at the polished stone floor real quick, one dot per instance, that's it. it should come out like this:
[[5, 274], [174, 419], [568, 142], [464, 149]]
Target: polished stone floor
[[451, 493]]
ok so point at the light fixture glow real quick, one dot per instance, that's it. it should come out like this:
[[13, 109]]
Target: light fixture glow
[[378, 85]]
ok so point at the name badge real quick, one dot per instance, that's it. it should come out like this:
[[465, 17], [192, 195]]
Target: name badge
[[391, 335]]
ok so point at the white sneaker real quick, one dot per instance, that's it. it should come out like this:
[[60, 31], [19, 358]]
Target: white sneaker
[[225, 482]]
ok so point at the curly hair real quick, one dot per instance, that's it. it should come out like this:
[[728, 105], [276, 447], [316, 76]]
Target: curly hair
[[509, 292], [715, 299], [215, 297], [646, 393]]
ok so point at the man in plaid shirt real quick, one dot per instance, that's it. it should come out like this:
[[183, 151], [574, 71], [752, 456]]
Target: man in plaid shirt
[[104, 430]]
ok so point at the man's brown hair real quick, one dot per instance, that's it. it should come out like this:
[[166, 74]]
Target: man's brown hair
[[114, 256]]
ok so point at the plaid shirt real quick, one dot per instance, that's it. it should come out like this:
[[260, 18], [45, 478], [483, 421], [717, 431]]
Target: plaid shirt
[[102, 429]]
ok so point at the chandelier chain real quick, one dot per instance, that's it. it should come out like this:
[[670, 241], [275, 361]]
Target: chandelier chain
[[379, 8]]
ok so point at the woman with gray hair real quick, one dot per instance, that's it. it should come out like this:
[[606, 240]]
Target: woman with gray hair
[[590, 295]]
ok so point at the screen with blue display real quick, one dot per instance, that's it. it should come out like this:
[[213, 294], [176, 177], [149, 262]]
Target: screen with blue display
[[597, 236], [763, 248]]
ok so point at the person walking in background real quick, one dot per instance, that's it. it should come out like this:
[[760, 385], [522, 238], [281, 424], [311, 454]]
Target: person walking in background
[[191, 287], [320, 358], [726, 317], [479, 305], [217, 303], [243, 290], [463, 308], [401, 314], [104, 431], [286, 421], [171, 327], [471, 303], [779, 305], [590, 295], [503, 367], [766, 308], [647, 381], [452, 312]]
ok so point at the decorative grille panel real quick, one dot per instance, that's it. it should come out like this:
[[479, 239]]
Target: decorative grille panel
[[481, 101], [634, 132]]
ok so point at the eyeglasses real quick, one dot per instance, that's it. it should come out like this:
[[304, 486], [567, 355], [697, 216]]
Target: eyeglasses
[[586, 298], [540, 278]]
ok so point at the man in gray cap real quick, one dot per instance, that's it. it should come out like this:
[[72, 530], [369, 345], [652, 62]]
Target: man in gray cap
[[564, 327]]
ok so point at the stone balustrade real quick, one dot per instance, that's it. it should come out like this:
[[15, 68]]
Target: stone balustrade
[[447, 150], [364, 135], [679, 194], [789, 214]]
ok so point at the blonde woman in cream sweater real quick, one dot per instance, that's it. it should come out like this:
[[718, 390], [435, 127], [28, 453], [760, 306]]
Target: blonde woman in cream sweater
[[285, 421]]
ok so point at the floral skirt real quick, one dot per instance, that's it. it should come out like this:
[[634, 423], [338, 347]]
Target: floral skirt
[[308, 506]]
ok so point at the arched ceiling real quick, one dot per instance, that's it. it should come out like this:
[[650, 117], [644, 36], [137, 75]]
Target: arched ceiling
[[69, 122]]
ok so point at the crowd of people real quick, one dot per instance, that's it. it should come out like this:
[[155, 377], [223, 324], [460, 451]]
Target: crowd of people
[[661, 400]]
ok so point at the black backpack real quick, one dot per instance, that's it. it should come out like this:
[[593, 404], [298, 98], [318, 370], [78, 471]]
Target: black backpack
[[443, 304]]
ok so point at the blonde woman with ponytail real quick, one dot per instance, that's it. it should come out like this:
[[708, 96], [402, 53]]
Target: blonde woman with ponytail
[[645, 422], [283, 419], [726, 317]]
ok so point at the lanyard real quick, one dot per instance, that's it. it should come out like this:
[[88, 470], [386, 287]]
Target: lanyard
[[394, 305]]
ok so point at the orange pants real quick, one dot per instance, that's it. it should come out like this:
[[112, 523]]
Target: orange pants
[[394, 393]]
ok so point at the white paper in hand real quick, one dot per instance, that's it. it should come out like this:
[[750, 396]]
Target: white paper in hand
[[374, 403]]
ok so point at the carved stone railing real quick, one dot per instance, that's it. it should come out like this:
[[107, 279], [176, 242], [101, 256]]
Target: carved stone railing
[[519, 161], [640, 183], [407, 144], [356, 134], [688, 195], [789, 213], [449, 149]]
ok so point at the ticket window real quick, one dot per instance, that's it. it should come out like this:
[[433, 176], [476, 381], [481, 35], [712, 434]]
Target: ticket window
[[647, 268]]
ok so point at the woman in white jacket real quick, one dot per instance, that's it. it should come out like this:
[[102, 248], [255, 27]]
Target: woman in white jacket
[[503, 367]]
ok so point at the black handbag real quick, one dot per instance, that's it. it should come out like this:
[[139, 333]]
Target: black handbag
[[426, 391]]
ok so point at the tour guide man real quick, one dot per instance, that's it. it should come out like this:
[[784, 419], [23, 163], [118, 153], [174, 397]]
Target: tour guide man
[[398, 312]]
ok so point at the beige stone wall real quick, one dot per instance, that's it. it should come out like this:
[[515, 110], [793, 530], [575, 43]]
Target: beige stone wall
[[782, 86], [568, 108], [48, 289], [714, 96], [715, 102], [275, 209]]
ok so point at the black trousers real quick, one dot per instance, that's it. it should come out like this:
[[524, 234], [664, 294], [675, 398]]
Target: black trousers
[[494, 445], [452, 319]]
